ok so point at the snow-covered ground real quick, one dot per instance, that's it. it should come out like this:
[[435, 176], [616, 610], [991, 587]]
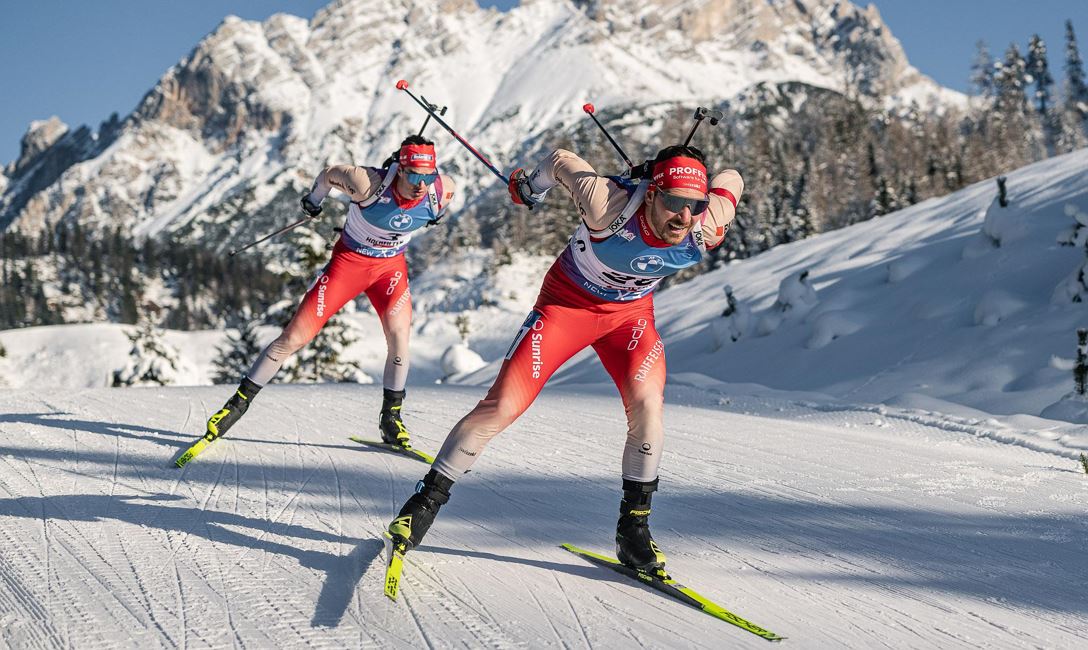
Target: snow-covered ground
[[870, 466], [835, 528]]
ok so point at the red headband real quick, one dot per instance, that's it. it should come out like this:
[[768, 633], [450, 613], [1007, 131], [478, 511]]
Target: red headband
[[680, 172], [417, 155]]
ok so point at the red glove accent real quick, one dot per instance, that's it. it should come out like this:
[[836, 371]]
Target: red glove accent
[[513, 186]]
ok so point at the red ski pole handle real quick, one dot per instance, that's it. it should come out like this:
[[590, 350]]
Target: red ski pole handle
[[588, 108], [402, 84]]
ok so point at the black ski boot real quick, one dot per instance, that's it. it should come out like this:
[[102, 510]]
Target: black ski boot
[[417, 515], [389, 422], [233, 410], [634, 546]]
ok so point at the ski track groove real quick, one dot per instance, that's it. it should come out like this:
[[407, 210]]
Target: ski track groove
[[22, 598], [544, 613], [485, 632], [573, 610]]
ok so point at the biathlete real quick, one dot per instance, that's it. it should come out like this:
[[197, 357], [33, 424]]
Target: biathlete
[[387, 206], [598, 293]]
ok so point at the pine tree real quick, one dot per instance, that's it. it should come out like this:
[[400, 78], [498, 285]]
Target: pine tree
[[982, 71], [1039, 70], [152, 361], [242, 347], [1075, 115], [1012, 130], [1076, 90]]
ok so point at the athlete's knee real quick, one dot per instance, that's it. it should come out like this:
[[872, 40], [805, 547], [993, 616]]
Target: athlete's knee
[[492, 415], [292, 340], [646, 404]]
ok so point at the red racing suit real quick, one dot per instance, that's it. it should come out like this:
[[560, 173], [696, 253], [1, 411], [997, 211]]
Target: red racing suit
[[598, 293]]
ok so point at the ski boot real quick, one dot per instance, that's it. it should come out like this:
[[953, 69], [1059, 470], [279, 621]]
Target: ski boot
[[389, 422], [417, 515], [233, 410], [634, 545]]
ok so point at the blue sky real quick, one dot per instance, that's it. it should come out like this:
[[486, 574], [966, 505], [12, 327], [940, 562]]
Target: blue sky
[[84, 60]]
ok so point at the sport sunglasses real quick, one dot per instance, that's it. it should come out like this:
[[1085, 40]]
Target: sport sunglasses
[[416, 179], [675, 203]]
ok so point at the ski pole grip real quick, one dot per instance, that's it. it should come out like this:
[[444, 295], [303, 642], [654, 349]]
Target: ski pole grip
[[588, 108], [402, 84]]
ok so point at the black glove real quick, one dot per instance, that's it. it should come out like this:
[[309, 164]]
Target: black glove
[[309, 207], [645, 170]]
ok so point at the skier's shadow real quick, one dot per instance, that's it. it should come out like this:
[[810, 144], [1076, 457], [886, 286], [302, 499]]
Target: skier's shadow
[[58, 420], [342, 573], [582, 570]]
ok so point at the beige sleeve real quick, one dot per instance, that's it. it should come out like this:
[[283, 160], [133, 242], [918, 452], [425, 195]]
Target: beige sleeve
[[357, 182], [598, 199], [448, 190], [721, 211]]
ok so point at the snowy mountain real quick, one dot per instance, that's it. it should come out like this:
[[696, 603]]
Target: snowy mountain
[[241, 125]]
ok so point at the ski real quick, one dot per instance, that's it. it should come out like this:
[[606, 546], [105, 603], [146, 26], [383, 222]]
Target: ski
[[665, 583], [394, 563], [193, 451], [407, 450]]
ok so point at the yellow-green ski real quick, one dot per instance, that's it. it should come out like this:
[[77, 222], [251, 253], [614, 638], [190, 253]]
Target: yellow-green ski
[[406, 449], [665, 583], [192, 452], [394, 559]]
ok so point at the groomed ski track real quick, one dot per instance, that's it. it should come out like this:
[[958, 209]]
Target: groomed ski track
[[832, 526]]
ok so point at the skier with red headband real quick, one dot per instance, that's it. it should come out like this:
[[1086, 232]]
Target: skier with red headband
[[387, 206], [597, 293]]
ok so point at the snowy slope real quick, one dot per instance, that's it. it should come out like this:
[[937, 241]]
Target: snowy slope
[[835, 528]]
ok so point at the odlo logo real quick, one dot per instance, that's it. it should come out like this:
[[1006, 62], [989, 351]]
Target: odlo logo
[[637, 330], [393, 282], [324, 282]]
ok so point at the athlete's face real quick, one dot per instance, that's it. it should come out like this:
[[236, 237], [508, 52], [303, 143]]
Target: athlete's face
[[670, 227], [406, 188]]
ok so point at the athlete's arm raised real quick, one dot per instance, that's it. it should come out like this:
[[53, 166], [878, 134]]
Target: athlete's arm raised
[[357, 182], [725, 191], [597, 198]]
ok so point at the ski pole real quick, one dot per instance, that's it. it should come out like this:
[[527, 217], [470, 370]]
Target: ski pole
[[270, 236], [403, 85], [434, 107], [701, 114], [588, 108]]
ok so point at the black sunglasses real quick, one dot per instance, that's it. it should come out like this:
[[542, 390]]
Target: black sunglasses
[[675, 203], [416, 179]]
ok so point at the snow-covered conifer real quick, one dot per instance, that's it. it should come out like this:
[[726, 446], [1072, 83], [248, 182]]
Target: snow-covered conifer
[[238, 352], [152, 361]]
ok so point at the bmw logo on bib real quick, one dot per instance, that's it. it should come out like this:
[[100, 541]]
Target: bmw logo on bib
[[647, 264], [401, 221]]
